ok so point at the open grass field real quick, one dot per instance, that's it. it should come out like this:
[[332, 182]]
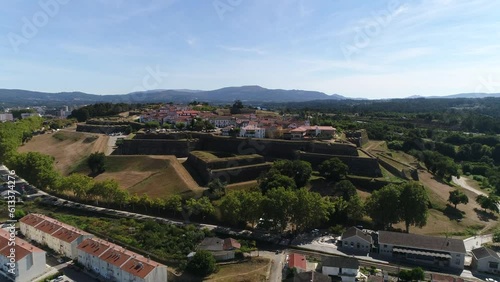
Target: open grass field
[[252, 271], [67, 147], [156, 176]]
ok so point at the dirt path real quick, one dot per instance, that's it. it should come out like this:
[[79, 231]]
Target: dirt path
[[373, 145], [462, 182]]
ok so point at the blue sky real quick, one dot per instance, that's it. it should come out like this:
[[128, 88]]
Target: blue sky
[[372, 49]]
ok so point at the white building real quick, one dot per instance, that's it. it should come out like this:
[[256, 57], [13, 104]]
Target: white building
[[221, 122], [420, 249], [345, 268], [6, 117], [60, 237], [252, 131], [115, 263], [356, 240], [485, 260], [29, 260]]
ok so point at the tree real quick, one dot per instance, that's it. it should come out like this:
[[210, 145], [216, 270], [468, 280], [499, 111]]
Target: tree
[[413, 204], [202, 264], [174, 204], [217, 188], [496, 236], [488, 202], [345, 189], [152, 124], [383, 206], [230, 208], [355, 208], [309, 209], [96, 162], [278, 206], [415, 274], [35, 168], [79, 184], [458, 197], [299, 171], [333, 169], [201, 206], [103, 189], [274, 179], [236, 107], [496, 154], [253, 206]]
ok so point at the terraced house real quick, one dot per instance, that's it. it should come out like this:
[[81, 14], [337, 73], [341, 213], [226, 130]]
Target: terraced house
[[58, 236], [29, 260], [115, 263]]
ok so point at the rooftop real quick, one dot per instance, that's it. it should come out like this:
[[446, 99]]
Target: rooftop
[[22, 247], [421, 241], [297, 261], [353, 231], [484, 252], [343, 262]]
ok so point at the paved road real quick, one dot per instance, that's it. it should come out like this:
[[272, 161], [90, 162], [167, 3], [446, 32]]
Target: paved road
[[476, 241]]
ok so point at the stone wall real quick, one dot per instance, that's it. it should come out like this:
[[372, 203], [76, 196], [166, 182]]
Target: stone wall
[[229, 170], [104, 129], [179, 148]]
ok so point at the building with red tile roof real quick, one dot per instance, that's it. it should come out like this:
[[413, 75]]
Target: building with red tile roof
[[297, 261], [60, 237], [26, 261], [111, 261]]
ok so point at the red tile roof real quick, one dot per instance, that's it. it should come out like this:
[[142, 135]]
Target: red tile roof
[[67, 235], [116, 256], [297, 261], [22, 247], [140, 266], [31, 219], [94, 247]]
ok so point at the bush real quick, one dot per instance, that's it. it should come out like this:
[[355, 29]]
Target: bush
[[202, 264], [415, 274]]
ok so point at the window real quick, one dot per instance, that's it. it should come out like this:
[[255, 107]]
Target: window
[[493, 265], [385, 246]]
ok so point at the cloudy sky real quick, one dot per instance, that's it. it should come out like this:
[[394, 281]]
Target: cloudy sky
[[372, 49]]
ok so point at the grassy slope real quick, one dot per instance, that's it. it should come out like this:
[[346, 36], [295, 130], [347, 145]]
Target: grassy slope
[[68, 148], [157, 176], [443, 218]]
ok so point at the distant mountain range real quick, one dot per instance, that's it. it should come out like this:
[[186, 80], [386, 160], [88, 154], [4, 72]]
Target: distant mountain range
[[247, 94], [461, 95]]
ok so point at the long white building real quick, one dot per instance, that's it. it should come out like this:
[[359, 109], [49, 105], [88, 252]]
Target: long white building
[[58, 236], [115, 263], [29, 260]]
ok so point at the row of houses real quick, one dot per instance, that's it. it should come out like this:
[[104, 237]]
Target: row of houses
[[105, 259], [249, 125]]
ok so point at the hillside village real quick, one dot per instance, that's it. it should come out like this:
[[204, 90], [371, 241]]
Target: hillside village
[[250, 124]]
